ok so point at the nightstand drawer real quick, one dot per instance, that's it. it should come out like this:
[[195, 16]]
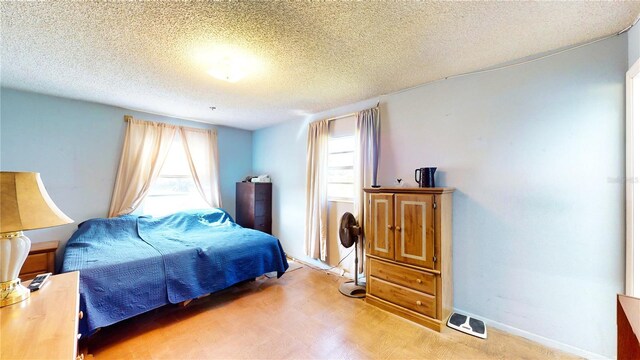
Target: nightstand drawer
[[41, 259], [36, 263]]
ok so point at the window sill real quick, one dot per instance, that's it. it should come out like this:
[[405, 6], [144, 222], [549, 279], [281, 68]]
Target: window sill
[[341, 200]]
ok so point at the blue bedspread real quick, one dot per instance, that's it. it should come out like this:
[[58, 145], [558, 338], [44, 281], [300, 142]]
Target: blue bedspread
[[217, 253], [130, 264]]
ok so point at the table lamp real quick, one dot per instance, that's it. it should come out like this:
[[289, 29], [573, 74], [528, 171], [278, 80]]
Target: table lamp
[[24, 205]]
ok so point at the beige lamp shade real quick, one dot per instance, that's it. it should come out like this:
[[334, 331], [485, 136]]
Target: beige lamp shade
[[25, 204]]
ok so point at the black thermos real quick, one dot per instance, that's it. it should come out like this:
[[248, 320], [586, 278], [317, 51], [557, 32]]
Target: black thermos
[[426, 176]]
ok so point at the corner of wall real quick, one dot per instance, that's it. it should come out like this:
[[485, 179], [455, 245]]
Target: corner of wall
[[633, 42]]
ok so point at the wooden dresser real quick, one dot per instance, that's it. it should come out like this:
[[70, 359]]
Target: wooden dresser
[[253, 205], [409, 260], [628, 320], [41, 259], [45, 326]]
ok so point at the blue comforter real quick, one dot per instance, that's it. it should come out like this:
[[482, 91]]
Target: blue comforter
[[130, 264]]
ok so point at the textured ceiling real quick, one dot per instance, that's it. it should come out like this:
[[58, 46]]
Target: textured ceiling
[[309, 57]]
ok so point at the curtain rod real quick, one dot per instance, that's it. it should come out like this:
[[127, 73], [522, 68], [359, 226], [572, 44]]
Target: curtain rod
[[347, 115], [342, 116], [128, 118]]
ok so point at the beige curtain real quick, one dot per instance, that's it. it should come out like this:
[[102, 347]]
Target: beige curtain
[[145, 148], [316, 212], [201, 148], [367, 153]]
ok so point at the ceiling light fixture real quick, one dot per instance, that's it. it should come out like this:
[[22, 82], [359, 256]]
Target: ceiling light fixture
[[227, 62], [228, 69]]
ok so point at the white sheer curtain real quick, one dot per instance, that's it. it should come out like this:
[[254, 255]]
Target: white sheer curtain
[[316, 212], [145, 148], [367, 153], [201, 148]]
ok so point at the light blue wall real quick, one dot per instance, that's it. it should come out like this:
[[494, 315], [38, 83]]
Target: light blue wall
[[281, 152], [76, 147], [235, 156], [536, 152], [634, 44]]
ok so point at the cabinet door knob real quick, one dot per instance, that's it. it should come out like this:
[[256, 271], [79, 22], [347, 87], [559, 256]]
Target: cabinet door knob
[[398, 228], [419, 303], [389, 226], [419, 281]]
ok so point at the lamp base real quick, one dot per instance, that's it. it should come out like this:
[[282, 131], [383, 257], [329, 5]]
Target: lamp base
[[12, 292], [14, 248]]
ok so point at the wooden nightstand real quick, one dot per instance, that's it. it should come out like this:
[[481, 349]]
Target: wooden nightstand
[[45, 326], [41, 259]]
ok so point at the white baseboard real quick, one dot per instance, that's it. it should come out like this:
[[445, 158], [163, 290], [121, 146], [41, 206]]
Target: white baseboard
[[537, 338], [319, 265]]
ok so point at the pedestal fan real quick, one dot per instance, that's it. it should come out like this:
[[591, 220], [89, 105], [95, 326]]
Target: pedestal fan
[[350, 235]]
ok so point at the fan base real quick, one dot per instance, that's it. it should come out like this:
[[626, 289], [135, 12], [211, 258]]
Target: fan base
[[350, 289]]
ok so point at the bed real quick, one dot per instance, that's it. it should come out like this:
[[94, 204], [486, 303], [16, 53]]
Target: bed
[[132, 264]]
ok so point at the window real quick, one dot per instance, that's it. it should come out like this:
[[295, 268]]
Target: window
[[340, 174], [174, 189]]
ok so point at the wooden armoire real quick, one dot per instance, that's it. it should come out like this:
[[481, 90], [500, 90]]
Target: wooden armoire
[[409, 260], [253, 206]]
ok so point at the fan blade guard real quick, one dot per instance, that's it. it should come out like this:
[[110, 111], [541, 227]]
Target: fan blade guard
[[347, 235]]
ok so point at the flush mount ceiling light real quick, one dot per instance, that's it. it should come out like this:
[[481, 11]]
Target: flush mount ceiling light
[[227, 63], [228, 69]]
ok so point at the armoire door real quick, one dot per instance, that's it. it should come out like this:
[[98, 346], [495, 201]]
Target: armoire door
[[415, 231], [380, 233]]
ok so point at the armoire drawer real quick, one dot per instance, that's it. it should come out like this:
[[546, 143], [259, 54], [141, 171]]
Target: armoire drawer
[[411, 278], [413, 300]]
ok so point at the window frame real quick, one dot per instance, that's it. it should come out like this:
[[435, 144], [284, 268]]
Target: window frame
[[352, 167], [176, 145]]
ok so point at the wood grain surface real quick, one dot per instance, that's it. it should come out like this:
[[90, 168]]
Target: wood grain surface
[[45, 326], [628, 320], [299, 316]]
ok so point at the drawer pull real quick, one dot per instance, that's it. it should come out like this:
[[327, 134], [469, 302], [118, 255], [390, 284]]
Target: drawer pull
[[390, 227], [80, 315], [419, 303], [398, 228], [419, 281]]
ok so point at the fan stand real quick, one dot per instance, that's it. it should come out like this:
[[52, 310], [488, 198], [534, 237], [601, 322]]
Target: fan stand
[[352, 288]]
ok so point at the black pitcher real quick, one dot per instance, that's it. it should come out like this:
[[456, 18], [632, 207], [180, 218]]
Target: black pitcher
[[426, 176]]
